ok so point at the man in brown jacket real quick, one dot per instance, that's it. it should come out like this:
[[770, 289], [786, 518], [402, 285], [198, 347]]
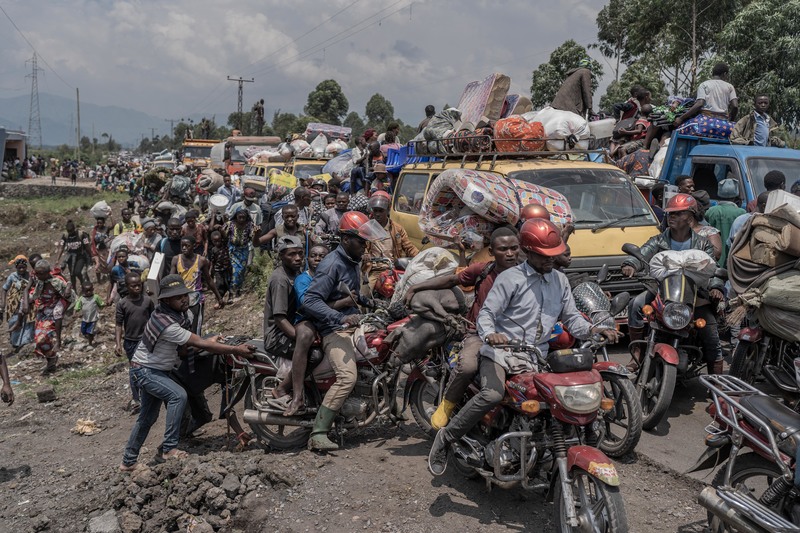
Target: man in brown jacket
[[575, 93], [758, 128], [395, 246]]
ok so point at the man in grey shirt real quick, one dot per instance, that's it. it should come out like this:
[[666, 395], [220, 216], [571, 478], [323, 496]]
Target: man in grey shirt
[[524, 304]]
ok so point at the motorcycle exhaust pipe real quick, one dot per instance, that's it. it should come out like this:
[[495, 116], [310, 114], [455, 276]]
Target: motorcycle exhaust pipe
[[727, 514], [251, 416]]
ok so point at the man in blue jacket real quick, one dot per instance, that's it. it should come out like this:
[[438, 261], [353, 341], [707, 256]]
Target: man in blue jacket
[[341, 266]]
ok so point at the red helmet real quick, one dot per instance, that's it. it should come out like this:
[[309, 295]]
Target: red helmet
[[534, 210], [542, 237], [681, 202], [561, 341], [358, 224]]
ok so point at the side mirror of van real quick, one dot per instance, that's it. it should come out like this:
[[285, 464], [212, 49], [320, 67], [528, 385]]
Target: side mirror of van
[[602, 274], [619, 302]]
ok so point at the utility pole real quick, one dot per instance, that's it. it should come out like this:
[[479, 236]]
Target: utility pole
[[241, 82], [152, 133], [78, 130], [172, 122], [34, 118]]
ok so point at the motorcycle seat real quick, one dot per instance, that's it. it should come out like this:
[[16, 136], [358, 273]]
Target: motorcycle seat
[[782, 420]]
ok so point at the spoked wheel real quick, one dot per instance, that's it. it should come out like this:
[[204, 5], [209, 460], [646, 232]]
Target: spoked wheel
[[280, 437], [745, 365], [621, 427], [599, 507], [425, 398], [656, 392], [752, 473]]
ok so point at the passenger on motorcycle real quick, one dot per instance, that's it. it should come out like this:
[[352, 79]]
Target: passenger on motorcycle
[[678, 236], [525, 303], [341, 266], [504, 247], [394, 246], [280, 305]]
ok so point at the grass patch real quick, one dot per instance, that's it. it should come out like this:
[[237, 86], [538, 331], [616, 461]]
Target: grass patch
[[49, 209], [73, 378], [259, 273]]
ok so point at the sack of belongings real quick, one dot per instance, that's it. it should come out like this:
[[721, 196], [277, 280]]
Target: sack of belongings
[[435, 319], [564, 130], [209, 180], [425, 265], [527, 136]]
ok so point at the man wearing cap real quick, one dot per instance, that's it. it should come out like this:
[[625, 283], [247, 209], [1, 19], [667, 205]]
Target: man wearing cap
[[337, 275], [280, 306], [575, 94], [722, 215], [165, 342], [525, 302], [678, 236], [381, 254], [250, 203]]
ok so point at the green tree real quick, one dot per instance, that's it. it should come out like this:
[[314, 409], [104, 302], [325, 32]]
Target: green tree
[[246, 122], [86, 144], [548, 77], [638, 73], [355, 123], [613, 23], [379, 111], [761, 46], [327, 102]]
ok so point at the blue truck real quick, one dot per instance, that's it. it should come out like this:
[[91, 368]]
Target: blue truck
[[708, 161]]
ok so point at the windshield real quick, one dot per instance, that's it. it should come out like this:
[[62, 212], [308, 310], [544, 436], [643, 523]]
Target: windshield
[[196, 151], [306, 171], [595, 195], [759, 166]]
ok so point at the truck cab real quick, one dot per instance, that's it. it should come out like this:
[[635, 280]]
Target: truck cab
[[708, 161], [197, 152]]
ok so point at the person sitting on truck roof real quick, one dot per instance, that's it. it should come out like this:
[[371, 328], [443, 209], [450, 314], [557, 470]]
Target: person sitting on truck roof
[[634, 136], [716, 99], [393, 128], [429, 112], [774, 180], [758, 128], [575, 94], [632, 106]]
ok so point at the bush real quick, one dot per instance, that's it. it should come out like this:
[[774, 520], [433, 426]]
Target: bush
[[259, 272]]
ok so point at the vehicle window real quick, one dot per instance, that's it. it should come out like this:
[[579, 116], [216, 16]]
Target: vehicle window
[[595, 195], [707, 174], [197, 151], [759, 166], [306, 171], [410, 193], [250, 169]]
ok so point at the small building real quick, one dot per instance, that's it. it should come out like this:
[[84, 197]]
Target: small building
[[13, 144]]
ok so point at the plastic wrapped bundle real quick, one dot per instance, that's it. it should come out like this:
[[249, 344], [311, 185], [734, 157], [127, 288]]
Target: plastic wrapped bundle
[[440, 126], [517, 128], [696, 264], [301, 148], [209, 180], [131, 240], [335, 147], [318, 145], [562, 128], [555, 202], [100, 210], [341, 165]]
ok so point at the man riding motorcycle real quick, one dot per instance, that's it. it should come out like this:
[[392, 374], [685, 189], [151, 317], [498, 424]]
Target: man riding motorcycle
[[341, 266], [678, 237], [525, 303]]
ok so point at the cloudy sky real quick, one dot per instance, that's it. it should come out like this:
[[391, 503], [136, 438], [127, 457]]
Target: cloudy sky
[[171, 58]]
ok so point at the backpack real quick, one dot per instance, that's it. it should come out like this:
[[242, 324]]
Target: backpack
[[180, 186]]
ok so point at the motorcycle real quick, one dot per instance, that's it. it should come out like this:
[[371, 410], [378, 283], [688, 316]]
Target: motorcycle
[[755, 492], [541, 437], [389, 278], [620, 427], [759, 354], [373, 396], [672, 349]]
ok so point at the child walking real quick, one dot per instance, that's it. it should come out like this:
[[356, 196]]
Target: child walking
[[133, 312], [89, 304]]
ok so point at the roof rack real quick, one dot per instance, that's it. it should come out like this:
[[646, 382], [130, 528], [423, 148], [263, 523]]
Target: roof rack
[[451, 149]]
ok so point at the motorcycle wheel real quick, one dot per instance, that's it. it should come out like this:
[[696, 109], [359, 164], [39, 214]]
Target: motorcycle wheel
[[747, 470], [599, 506], [656, 395], [745, 361], [622, 425], [277, 437], [424, 399]]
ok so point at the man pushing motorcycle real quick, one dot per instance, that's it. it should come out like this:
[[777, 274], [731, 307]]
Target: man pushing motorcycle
[[339, 270], [678, 237], [524, 303]]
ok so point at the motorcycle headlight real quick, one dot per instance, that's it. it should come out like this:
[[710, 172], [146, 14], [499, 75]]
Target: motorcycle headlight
[[580, 399], [676, 316]]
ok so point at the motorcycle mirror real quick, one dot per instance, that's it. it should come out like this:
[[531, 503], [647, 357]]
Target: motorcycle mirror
[[619, 302], [634, 251], [721, 273], [602, 274]]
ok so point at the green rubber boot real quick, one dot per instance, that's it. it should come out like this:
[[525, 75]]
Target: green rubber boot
[[319, 440]]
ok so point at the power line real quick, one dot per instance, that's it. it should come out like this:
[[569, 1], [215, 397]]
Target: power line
[[34, 48], [276, 51]]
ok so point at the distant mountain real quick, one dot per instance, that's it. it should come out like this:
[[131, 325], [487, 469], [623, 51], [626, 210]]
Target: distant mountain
[[59, 120]]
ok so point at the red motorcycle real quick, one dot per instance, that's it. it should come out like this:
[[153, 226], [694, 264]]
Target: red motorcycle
[[388, 280], [541, 437], [755, 492], [373, 396]]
